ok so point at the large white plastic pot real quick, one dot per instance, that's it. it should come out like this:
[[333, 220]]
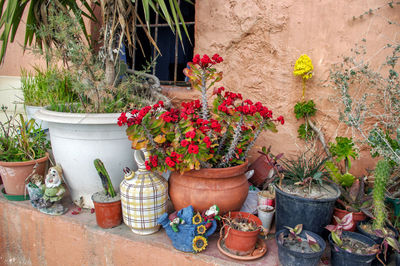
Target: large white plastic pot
[[77, 140]]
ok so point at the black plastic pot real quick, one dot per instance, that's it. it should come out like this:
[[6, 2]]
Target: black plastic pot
[[313, 214], [397, 259], [378, 240], [340, 257], [289, 257]]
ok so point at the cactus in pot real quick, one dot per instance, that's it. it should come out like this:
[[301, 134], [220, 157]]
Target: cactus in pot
[[382, 173]]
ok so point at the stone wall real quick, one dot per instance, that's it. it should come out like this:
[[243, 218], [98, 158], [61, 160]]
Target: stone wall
[[261, 40]]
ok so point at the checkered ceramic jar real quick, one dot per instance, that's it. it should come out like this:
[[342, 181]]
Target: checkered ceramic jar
[[144, 197]]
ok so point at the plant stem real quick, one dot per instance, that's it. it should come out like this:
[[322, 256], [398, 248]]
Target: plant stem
[[236, 137], [258, 132], [204, 104]]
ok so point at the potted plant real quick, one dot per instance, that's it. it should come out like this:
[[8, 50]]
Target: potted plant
[[23, 148], [297, 247], [240, 233], [107, 203], [349, 248], [375, 227], [45, 87], [353, 198], [301, 190], [264, 167], [206, 148], [85, 129]]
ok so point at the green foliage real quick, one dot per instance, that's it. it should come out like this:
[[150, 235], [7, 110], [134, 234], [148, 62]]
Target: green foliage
[[370, 99], [345, 180], [343, 150], [21, 140], [105, 178], [305, 109], [47, 87], [37, 12], [303, 168], [382, 174], [305, 132]]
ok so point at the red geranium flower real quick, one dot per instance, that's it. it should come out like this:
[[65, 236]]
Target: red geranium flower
[[193, 149]]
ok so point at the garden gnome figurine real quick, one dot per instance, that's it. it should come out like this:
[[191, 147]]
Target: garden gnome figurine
[[210, 215], [175, 221], [53, 191]]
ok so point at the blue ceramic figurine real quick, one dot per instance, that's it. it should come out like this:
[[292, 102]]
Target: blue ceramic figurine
[[188, 230]]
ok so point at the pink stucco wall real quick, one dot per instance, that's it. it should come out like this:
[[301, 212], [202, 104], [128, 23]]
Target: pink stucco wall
[[261, 40]]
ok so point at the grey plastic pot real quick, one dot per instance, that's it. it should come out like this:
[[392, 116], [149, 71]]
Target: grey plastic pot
[[313, 214], [288, 257], [341, 257]]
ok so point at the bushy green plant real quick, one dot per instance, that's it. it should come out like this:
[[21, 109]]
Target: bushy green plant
[[304, 109], [370, 99], [86, 72], [47, 87], [21, 140]]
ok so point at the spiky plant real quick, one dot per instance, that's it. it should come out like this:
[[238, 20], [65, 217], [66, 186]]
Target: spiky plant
[[382, 173]]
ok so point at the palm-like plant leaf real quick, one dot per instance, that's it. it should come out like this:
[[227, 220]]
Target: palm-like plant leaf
[[37, 15]]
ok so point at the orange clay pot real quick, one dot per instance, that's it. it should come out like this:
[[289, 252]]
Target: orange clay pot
[[225, 187], [357, 217], [108, 214], [14, 174], [239, 242], [261, 169]]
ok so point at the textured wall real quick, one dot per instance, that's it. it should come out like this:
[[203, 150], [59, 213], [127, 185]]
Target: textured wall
[[261, 40]]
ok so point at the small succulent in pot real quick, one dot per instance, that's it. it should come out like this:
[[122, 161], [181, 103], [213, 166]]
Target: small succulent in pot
[[346, 243], [294, 237], [107, 203]]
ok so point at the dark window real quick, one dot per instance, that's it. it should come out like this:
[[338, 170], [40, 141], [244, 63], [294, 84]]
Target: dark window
[[174, 54]]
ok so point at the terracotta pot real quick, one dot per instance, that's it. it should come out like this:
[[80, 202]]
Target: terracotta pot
[[108, 214], [239, 242], [225, 187], [14, 174], [357, 217], [261, 169]]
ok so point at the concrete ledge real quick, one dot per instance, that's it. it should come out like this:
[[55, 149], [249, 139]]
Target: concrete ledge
[[29, 237]]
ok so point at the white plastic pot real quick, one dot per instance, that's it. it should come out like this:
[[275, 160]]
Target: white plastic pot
[[77, 140], [30, 113], [266, 214]]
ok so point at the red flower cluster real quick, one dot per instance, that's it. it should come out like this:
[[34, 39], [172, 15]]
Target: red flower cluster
[[184, 143], [193, 149], [173, 159], [190, 134], [152, 163], [281, 119], [207, 141], [170, 116], [206, 61], [122, 119], [189, 108]]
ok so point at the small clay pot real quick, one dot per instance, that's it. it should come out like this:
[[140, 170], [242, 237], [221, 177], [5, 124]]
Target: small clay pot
[[14, 174], [261, 169], [108, 214], [239, 242], [357, 217]]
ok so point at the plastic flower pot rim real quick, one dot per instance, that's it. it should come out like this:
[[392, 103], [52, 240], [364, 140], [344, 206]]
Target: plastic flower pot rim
[[319, 239], [296, 197], [349, 235]]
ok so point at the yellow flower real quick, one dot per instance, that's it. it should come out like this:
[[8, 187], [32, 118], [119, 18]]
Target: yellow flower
[[303, 67], [197, 219], [201, 229], [199, 243]]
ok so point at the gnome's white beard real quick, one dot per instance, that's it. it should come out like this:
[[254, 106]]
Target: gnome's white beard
[[56, 182]]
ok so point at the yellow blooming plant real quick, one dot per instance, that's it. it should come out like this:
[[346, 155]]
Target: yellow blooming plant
[[303, 67]]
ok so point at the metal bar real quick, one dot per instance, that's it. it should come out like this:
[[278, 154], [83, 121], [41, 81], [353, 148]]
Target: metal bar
[[176, 54], [164, 24], [134, 37], [156, 40]]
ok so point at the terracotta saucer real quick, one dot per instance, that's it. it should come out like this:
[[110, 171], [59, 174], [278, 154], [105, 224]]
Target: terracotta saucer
[[259, 251]]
